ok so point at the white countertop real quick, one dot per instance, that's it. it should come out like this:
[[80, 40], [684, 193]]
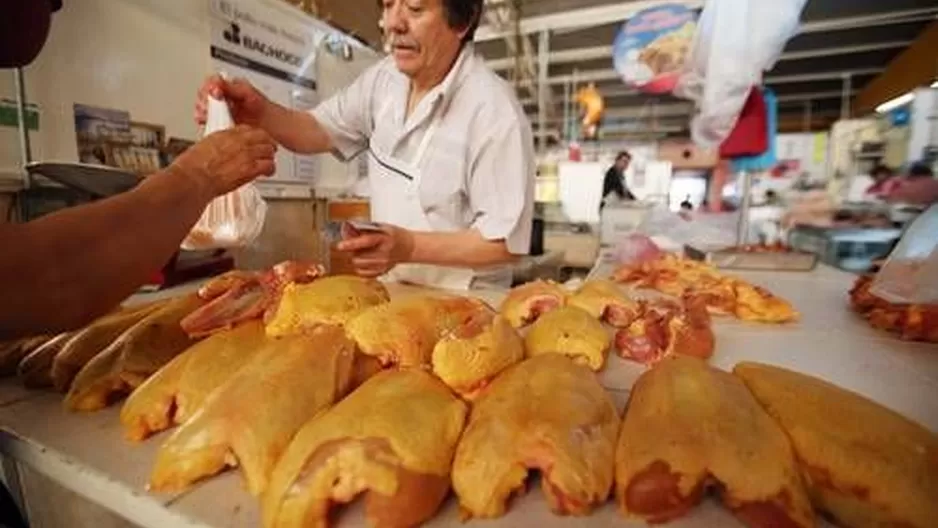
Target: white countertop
[[86, 453]]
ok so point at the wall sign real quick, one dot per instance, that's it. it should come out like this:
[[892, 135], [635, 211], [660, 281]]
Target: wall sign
[[650, 48]]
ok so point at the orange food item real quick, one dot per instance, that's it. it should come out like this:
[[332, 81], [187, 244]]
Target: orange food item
[[525, 303], [664, 328], [468, 361], [911, 322], [604, 300]]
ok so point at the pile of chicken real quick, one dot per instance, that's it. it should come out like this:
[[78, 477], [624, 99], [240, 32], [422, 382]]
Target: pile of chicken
[[911, 322]]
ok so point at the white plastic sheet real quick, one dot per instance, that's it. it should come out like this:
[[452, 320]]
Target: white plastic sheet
[[235, 219], [736, 41]]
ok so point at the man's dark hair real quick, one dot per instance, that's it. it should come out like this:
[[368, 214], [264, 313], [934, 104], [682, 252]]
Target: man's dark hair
[[920, 170], [881, 169], [463, 14], [624, 154]]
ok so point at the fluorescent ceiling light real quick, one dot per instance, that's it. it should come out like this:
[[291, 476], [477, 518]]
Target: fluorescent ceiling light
[[892, 104], [934, 84]]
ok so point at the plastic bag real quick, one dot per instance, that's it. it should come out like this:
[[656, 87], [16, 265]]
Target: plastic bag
[[636, 248], [235, 219], [671, 232], [910, 275], [736, 41]]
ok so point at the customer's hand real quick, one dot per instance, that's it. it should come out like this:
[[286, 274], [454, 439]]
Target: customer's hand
[[247, 103], [374, 254], [225, 160]]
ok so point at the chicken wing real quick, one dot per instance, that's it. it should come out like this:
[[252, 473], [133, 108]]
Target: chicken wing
[[524, 304], [664, 328], [604, 300], [570, 332], [404, 331], [133, 357], [392, 439], [173, 394], [467, 362], [546, 414], [864, 464], [688, 426], [330, 300], [250, 420]]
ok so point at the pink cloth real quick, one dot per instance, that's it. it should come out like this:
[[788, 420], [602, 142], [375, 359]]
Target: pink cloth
[[918, 191]]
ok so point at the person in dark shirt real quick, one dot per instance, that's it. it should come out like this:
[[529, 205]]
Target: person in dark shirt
[[614, 182]]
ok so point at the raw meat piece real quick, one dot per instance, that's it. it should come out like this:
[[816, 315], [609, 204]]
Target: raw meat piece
[[330, 300], [467, 362], [569, 332], [604, 300], [688, 427], [35, 370], [12, 352], [545, 414], [524, 304], [392, 439], [665, 328]]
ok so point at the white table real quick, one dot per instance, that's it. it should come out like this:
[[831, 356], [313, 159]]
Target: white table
[[86, 454]]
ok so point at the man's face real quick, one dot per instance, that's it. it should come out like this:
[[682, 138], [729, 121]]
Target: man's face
[[419, 35], [622, 163]]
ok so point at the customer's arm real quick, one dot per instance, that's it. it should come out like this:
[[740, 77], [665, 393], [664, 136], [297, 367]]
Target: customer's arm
[[63, 270]]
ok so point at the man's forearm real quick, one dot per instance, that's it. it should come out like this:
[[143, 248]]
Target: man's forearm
[[295, 130], [63, 270], [462, 248]]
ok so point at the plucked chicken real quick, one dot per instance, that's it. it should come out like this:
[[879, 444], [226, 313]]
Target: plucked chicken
[[865, 465], [174, 393], [605, 301], [689, 426], [468, 360], [13, 352], [404, 331], [393, 440], [133, 357], [35, 370], [330, 300], [570, 332], [250, 419], [525, 303], [664, 328], [544, 414]]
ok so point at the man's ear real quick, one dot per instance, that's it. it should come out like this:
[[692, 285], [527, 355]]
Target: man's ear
[[24, 27]]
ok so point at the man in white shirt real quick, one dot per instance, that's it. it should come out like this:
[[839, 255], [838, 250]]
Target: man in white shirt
[[450, 151]]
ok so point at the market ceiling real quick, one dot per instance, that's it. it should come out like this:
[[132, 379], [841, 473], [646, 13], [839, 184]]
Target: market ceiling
[[838, 40]]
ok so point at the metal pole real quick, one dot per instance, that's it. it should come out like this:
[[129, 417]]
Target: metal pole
[[742, 226], [566, 111], [807, 116], [26, 154], [543, 59], [845, 97]]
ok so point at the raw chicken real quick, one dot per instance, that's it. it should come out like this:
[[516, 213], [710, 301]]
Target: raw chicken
[[35, 370], [133, 357], [543, 414], [524, 304], [250, 420], [330, 300], [664, 328], [467, 362], [865, 465], [404, 331], [392, 439], [12, 352], [689, 427], [570, 332], [604, 300], [173, 394]]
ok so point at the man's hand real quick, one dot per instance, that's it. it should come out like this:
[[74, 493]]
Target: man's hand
[[227, 159], [374, 254], [248, 105]]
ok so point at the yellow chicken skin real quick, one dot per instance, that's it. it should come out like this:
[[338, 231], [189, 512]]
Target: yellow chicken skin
[[404, 331], [468, 362], [864, 464], [35, 370], [173, 394], [392, 439], [133, 357], [524, 304], [542, 414], [570, 332], [688, 426], [330, 300], [251, 419], [604, 300]]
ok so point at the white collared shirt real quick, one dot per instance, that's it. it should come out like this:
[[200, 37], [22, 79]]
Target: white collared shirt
[[479, 162]]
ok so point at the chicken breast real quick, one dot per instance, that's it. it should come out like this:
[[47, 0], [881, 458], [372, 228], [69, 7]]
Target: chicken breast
[[404, 331], [546, 414], [569, 332], [250, 420], [173, 394], [133, 357], [467, 362], [525, 303], [330, 300], [35, 370], [392, 439], [604, 300], [864, 464], [688, 426]]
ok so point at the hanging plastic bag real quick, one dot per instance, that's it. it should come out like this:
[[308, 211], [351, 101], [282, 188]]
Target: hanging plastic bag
[[736, 41], [235, 219], [910, 275]]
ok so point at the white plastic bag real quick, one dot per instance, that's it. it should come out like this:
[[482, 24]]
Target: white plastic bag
[[235, 219], [910, 275], [736, 41]]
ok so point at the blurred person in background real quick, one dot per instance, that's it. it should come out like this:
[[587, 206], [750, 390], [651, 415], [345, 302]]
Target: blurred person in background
[[614, 182], [919, 187], [884, 182]]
